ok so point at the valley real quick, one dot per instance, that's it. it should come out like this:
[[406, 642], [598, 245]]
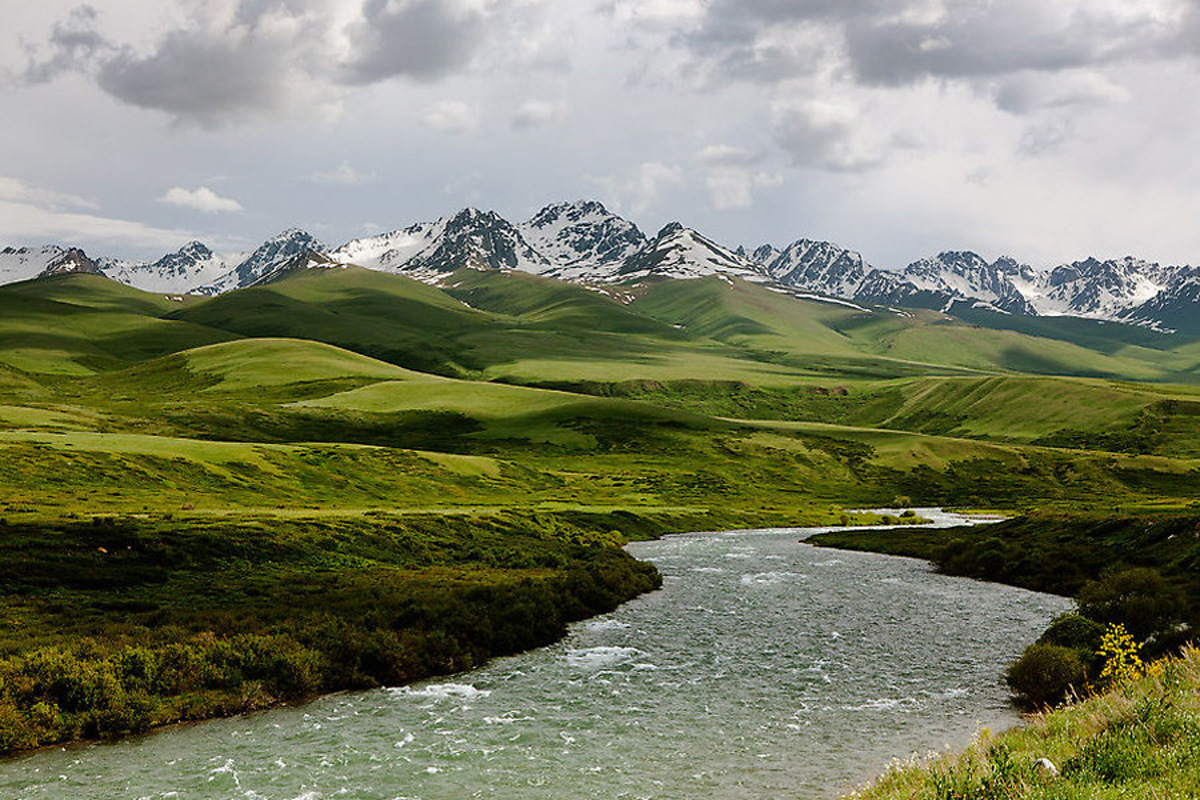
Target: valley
[[344, 478]]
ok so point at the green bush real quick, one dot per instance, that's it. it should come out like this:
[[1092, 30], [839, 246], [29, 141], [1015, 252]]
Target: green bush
[[1139, 598], [1046, 674], [1074, 631]]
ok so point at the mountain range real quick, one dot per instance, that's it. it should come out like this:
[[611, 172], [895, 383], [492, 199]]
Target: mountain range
[[583, 242]]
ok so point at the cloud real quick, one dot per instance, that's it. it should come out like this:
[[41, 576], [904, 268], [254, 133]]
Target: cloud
[[74, 45], [731, 177], [726, 155], [1040, 140], [202, 199], [827, 135], [1028, 92], [733, 187], [657, 12], [344, 175], [451, 116], [16, 190], [32, 215], [889, 43], [250, 64], [419, 39], [245, 59], [537, 114], [643, 188]]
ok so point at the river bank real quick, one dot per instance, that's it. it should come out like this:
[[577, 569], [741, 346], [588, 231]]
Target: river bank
[[763, 668], [1140, 739]]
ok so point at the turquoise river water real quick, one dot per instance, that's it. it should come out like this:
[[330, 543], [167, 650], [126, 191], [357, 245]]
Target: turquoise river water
[[765, 668]]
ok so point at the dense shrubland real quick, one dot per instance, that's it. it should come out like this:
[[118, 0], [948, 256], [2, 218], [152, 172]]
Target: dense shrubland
[[116, 627]]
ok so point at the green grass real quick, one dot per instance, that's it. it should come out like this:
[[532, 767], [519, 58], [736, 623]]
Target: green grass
[[347, 478], [1137, 740]]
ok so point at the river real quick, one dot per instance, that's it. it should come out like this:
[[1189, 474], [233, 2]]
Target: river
[[764, 668]]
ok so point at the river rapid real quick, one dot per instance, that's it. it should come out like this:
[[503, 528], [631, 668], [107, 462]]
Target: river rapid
[[764, 668]]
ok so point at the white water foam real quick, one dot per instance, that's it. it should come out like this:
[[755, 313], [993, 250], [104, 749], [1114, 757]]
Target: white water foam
[[441, 691], [770, 578], [594, 658], [605, 625]]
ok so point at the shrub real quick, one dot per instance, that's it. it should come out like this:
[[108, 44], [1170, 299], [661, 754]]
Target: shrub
[[1046, 674], [1139, 598], [1074, 631], [1120, 654]]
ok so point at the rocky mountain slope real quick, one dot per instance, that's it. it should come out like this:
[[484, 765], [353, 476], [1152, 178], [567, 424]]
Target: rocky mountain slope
[[586, 243], [25, 263]]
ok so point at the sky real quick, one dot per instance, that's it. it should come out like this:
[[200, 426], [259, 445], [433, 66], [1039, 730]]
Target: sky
[[1048, 130]]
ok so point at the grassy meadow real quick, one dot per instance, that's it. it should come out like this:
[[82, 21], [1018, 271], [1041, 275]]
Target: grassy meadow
[[175, 472], [1141, 738]]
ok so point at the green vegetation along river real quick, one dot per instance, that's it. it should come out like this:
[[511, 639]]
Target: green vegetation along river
[[764, 668]]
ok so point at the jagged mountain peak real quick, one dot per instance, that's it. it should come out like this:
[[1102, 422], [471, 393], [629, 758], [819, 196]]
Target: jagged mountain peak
[[26, 263], [572, 211], [582, 240], [680, 252], [670, 229], [814, 266], [72, 259], [307, 259], [763, 254], [471, 238]]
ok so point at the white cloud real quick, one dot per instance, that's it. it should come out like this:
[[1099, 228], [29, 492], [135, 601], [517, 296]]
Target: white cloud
[[17, 190], [202, 199], [644, 188], [29, 224], [451, 116], [344, 175], [733, 187], [726, 154], [538, 114], [32, 215], [1030, 92], [827, 134], [662, 12]]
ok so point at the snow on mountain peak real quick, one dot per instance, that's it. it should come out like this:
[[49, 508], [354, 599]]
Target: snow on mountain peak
[[25, 263], [582, 240], [679, 252]]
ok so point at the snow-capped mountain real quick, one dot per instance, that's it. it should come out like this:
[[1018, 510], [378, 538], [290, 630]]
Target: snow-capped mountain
[[582, 240], [679, 252], [24, 263], [1101, 289], [270, 255], [181, 272], [820, 267], [471, 238], [585, 243], [961, 274], [1175, 308], [306, 260]]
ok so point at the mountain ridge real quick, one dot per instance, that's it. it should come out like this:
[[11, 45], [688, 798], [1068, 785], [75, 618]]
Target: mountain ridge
[[583, 242]]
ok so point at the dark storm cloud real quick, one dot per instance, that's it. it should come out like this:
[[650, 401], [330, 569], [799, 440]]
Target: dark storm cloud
[[898, 43], [268, 56], [199, 76], [420, 39], [74, 45], [980, 45]]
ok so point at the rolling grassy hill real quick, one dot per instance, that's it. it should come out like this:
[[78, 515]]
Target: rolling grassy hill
[[362, 478], [331, 357]]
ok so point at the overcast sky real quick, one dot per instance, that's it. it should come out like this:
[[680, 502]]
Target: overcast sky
[[1049, 130]]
